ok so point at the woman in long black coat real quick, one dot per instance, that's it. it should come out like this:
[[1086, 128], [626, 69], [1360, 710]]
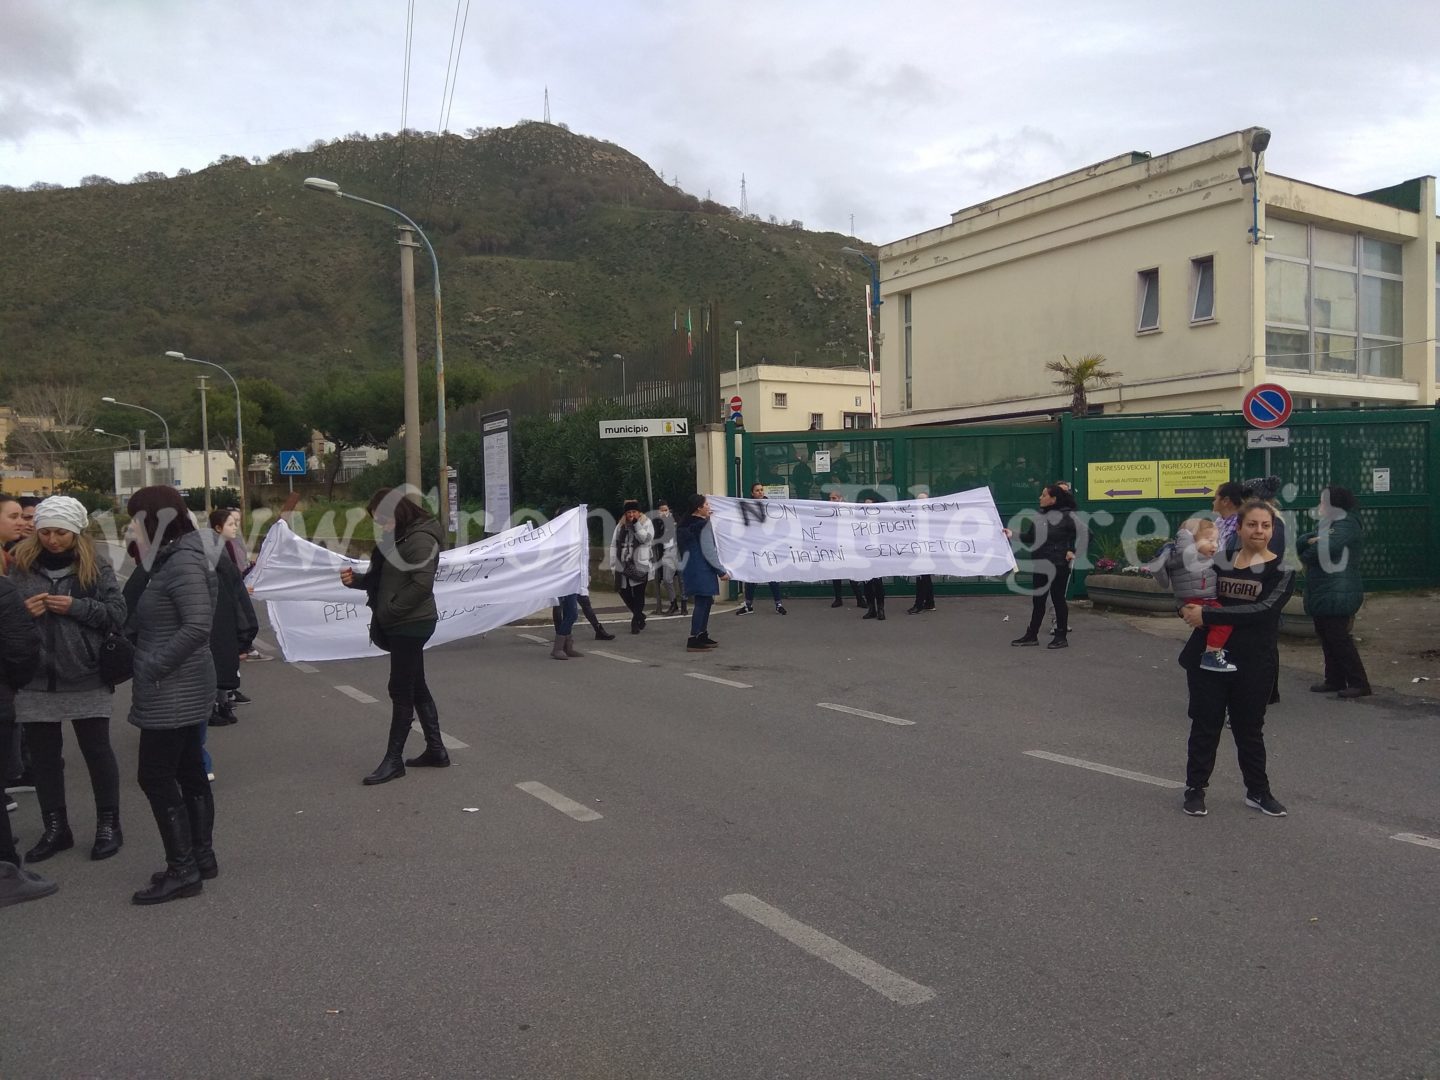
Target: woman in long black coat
[[235, 626]]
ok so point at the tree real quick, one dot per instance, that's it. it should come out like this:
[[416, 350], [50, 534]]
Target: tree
[[96, 180], [53, 421], [355, 412], [1080, 376]]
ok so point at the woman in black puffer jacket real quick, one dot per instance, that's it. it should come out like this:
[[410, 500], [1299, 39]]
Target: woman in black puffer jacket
[[174, 687], [1052, 539]]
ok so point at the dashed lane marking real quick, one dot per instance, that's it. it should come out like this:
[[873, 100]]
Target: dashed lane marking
[[566, 805], [358, 695], [865, 713], [717, 679], [535, 638], [615, 656], [449, 741], [1158, 781], [877, 977], [308, 669], [1417, 838]]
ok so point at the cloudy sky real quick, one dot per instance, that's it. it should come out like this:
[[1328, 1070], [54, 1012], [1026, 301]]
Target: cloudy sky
[[895, 114]]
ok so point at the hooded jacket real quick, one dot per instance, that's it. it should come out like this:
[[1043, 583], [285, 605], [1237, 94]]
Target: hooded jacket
[[19, 647], [400, 584], [174, 683], [70, 644], [700, 567], [1181, 568], [1338, 590]]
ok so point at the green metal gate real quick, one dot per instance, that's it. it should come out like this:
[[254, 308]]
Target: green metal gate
[[1402, 524]]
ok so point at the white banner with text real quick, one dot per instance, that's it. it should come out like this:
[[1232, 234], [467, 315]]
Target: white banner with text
[[477, 588], [806, 540]]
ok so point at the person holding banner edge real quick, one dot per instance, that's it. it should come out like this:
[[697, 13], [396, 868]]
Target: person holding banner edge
[[700, 570], [747, 607], [1054, 551], [400, 592]]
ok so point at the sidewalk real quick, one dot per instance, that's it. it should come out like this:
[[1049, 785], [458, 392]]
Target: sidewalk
[[1398, 635]]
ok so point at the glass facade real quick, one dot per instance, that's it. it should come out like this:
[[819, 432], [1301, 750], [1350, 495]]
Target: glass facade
[[1333, 302]]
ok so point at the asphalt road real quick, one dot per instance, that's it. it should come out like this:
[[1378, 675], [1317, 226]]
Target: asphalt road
[[745, 884]]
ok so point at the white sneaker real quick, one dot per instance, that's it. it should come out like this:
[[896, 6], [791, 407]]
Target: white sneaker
[[11, 805]]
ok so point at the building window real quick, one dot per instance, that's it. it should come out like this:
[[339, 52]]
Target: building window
[[855, 421], [1149, 300], [1202, 274], [905, 312], [817, 421], [1333, 302], [780, 401]]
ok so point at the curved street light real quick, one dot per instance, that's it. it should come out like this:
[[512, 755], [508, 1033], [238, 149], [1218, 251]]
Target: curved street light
[[315, 183], [239, 426], [169, 467]]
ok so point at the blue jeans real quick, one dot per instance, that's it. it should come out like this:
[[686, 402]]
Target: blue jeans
[[750, 592], [569, 612], [700, 614]]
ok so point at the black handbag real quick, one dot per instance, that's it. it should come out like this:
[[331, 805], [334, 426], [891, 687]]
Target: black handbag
[[117, 660]]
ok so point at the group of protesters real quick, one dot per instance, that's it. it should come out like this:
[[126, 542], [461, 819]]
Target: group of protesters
[[70, 633]]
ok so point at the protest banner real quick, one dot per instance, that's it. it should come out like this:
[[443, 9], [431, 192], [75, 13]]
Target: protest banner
[[477, 588], [810, 541]]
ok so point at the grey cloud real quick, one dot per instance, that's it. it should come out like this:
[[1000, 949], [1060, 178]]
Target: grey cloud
[[44, 81]]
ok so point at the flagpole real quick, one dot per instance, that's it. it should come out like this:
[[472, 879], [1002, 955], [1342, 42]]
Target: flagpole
[[870, 350]]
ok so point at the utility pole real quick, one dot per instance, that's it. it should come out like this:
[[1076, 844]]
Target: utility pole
[[144, 482], [205, 443], [409, 359]]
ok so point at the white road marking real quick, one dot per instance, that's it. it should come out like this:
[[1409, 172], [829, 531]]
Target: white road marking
[[722, 682], [863, 712], [449, 741], [1158, 781], [535, 638], [877, 977], [568, 806], [308, 669], [615, 656], [358, 695], [1416, 838]]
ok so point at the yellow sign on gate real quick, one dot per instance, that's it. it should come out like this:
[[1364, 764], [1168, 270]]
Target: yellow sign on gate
[[1197, 478], [1122, 480]]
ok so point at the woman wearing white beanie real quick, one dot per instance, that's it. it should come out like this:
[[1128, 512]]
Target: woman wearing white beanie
[[75, 599]]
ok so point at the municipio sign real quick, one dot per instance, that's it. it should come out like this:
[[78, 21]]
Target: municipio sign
[[643, 429]]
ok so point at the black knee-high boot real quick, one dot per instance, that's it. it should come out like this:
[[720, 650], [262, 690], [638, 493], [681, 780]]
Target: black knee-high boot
[[434, 754], [392, 765], [181, 877]]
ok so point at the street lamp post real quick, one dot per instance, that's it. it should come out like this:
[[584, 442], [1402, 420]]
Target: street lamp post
[[169, 464], [205, 440], [617, 356], [239, 425], [738, 324], [315, 183], [872, 319]]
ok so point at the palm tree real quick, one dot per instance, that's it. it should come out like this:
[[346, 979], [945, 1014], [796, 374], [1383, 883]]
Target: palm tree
[[1078, 376]]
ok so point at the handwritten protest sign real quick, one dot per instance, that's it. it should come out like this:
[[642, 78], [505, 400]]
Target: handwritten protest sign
[[805, 540], [477, 588]]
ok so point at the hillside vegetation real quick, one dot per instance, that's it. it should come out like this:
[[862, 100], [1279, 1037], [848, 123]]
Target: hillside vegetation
[[555, 250]]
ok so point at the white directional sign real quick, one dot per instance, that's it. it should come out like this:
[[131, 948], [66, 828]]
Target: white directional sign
[[643, 429]]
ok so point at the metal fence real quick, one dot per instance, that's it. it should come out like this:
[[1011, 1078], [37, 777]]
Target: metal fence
[[679, 370], [1389, 458]]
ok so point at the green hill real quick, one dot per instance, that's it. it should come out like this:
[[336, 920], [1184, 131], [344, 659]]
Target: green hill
[[555, 250]]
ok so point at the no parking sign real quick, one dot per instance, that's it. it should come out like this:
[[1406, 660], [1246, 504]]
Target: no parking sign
[[1267, 406]]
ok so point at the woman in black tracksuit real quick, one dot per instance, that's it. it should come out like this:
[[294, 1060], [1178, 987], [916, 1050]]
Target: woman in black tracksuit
[[1252, 594], [1052, 538]]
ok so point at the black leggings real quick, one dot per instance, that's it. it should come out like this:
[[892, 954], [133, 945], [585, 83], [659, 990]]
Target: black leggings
[[1243, 696], [172, 765], [634, 597], [407, 677], [1051, 579], [46, 742]]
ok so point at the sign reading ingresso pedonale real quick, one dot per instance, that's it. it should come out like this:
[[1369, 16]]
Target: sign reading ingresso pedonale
[[643, 429]]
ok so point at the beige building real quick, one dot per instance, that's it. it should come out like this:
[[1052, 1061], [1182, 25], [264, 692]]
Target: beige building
[[1152, 262], [185, 470], [781, 398]]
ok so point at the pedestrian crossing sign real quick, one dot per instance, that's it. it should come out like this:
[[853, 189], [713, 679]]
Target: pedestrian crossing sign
[[292, 463]]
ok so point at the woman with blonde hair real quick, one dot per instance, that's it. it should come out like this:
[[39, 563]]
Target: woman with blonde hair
[[75, 599]]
